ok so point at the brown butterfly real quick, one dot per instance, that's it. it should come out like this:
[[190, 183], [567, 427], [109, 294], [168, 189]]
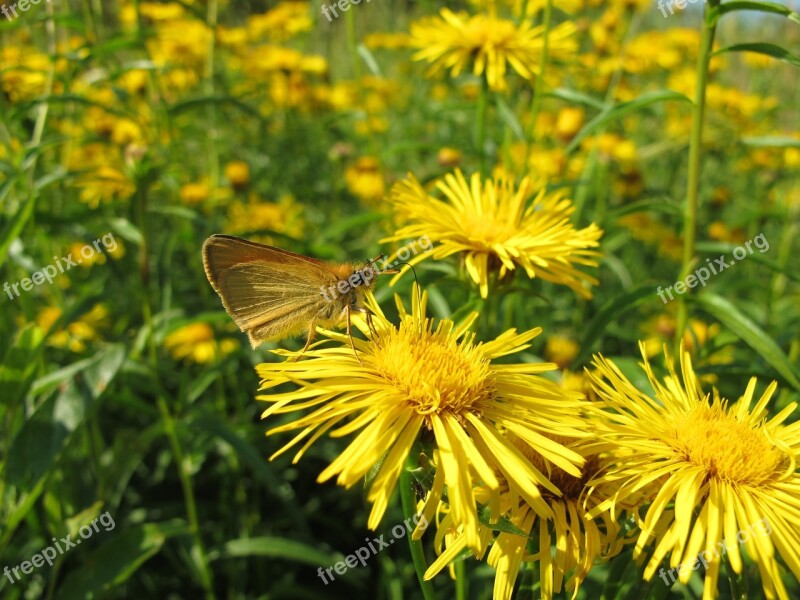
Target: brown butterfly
[[272, 293]]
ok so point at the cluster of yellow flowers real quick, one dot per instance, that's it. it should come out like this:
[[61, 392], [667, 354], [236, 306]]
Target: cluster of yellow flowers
[[518, 467]]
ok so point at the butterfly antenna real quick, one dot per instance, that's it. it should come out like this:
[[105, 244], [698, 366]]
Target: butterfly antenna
[[419, 290]]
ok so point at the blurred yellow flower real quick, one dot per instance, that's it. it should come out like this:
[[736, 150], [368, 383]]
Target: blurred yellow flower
[[560, 350], [448, 157], [133, 81], [104, 184], [197, 343], [569, 121], [76, 335], [390, 41], [195, 192], [645, 228], [365, 180], [237, 172], [158, 12], [487, 44], [256, 215], [24, 72], [283, 22], [184, 42], [492, 224], [126, 132]]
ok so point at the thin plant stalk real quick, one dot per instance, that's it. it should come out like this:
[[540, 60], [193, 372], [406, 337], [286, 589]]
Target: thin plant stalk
[[538, 85], [695, 155], [480, 124], [408, 500], [199, 553]]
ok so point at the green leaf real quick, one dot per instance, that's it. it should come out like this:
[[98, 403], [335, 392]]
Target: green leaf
[[609, 312], [767, 7], [14, 226], [576, 97], [45, 435], [249, 455], [181, 212], [336, 231], [726, 248], [771, 141], [113, 562], [194, 103], [369, 60], [509, 118], [663, 205], [618, 111], [127, 230], [282, 548], [763, 48], [749, 332], [23, 107], [502, 525], [19, 364]]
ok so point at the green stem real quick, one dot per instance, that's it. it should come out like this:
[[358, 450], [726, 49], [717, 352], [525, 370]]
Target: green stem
[[408, 499], [188, 496], [584, 186], [480, 124], [538, 85], [352, 44], [199, 554], [462, 589], [355, 60], [695, 153], [208, 88]]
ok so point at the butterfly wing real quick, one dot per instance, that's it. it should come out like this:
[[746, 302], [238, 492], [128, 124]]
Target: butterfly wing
[[270, 293]]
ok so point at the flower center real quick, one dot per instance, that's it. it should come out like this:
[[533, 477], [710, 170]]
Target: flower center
[[489, 231], [487, 33], [571, 487], [432, 370], [714, 439]]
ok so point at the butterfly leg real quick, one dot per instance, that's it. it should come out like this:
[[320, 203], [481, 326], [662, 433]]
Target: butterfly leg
[[371, 325], [312, 333], [350, 335]]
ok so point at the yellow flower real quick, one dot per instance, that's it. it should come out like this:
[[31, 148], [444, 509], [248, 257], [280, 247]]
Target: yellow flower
[[238, 173], [194, 193], [365, 180], [158, 12], [649, 230], [390, 41], [284, 216], [85, 260], [569, 122], [560, 350], [105, 184], [579, 539], [434, 378], [183, 42], [197, 343], [134, 81], [491, 225], [487, 44], [727, 469], [283, 22], [76, 334], [24, 73], [448, 157], [126, 132]]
